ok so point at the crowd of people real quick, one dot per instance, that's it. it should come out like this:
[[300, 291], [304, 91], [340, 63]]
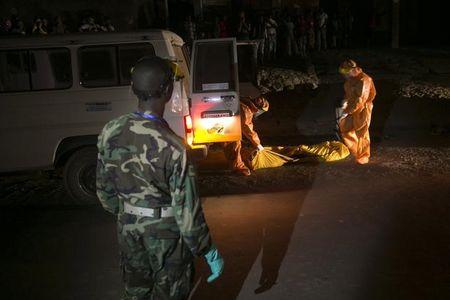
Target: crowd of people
[[279, 33], [44, 25]]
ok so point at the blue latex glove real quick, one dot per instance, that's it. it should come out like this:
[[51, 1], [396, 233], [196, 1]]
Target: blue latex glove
[[215, 262]]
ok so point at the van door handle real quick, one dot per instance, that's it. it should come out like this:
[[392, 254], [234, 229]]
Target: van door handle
[[98, 106]]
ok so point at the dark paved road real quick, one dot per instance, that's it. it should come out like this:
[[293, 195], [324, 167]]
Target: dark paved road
[[343, 238], [354, 234]]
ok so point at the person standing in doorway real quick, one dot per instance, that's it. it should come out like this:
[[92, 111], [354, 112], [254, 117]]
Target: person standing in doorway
[[271, 26], [244, 28], [291, 44], [260, 34], [321, 32]]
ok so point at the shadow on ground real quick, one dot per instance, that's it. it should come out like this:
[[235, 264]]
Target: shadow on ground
[[246, 228]]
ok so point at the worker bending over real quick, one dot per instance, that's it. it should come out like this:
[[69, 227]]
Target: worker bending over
[[250, 108]]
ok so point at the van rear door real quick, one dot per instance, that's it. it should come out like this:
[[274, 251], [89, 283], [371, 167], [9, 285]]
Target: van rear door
[[215, 91]]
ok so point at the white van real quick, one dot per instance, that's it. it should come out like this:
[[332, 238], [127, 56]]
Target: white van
[[57, 93]]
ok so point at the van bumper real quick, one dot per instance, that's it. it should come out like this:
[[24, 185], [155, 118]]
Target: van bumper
[[199, 152]]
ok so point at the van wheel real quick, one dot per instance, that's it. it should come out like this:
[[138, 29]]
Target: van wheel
[[79, 176]]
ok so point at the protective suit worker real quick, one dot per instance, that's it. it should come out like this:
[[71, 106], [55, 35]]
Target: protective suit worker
[[357, 110], [250, 108], [146, 179]]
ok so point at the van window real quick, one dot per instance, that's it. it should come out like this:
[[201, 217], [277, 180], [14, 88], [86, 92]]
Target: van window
[[14, 71], [50, 69], [102, 66], [40, 69], [98, 66], [214, 67], [129, 55]]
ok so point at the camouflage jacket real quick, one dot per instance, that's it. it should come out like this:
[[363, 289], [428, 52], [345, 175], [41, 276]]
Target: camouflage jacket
[[143, 162]]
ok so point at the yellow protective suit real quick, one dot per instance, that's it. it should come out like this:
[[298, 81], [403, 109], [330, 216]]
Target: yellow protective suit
[[233, 149], [359, 95]]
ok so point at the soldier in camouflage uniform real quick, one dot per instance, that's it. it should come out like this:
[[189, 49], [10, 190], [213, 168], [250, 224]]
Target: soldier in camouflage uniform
[[144, 176]]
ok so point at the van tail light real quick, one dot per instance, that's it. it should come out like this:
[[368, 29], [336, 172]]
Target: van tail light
[[189, 129]]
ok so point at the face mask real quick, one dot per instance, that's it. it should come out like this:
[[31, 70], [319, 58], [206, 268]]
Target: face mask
[[344, 71], [258, 113]]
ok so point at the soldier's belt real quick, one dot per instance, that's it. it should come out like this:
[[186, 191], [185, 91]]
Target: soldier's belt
[[163, 212]]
